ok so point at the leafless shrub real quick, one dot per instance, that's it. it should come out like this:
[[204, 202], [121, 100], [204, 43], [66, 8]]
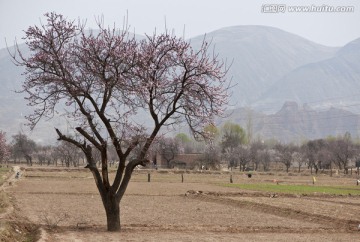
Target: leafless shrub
[[52, 220]]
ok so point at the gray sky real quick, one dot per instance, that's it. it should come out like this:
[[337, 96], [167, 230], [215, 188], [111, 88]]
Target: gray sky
[[198, 16]]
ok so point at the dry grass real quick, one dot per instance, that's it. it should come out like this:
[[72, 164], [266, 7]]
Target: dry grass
[[4, 172]]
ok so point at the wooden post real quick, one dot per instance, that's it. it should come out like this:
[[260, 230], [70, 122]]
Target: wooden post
[[182, 177], [148, 177], [330, 170], [231, 180]]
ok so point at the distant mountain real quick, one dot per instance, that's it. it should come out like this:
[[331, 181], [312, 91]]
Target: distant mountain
[[293, 123], [269, 67], [331, 82], [260, 56]]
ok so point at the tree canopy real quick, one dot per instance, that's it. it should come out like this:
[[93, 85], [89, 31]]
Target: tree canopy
[[232, 135], [105, 78]]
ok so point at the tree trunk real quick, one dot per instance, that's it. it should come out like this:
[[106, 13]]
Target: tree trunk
[[112, 208]]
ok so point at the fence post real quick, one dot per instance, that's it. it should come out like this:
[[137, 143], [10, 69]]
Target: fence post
[[182, 177], [148, 177], [231, 180]]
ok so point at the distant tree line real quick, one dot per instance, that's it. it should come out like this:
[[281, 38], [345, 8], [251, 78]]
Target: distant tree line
[[233, 148], [228, 147]]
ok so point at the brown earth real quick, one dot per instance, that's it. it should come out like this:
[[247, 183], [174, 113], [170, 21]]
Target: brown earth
[[67, 206], [13, 225]]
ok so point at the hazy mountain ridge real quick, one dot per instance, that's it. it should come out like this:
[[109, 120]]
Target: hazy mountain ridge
[[269, 67], [331, 82], [12, 105], [260, 56]]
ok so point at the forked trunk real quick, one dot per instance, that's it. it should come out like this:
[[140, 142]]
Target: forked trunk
[[112, 208]]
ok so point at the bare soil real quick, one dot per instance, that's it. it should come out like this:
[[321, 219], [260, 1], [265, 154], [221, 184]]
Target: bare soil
[[66, 205], [13, 225]]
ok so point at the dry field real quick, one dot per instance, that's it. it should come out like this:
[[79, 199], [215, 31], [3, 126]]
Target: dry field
[[199, 209]]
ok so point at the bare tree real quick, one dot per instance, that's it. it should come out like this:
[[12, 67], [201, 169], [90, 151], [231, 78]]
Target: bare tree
[[22, 146], [44, 154], [325, 157], [244, 155], [311, 152], [211, 157], [298, 158], [265, 158], [255, 151], [342, 151], [286, 154], [168, 149], [68, 154], [4, 148], [231, 156], [105, 79]]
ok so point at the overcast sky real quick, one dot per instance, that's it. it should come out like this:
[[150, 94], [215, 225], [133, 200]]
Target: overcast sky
[[197, 16]]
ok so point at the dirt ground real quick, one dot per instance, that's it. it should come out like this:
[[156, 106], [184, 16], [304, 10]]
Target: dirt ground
[[68, 208]]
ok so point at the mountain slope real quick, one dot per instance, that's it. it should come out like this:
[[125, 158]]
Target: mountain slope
[[12, 105], [269, 66], [260, 56], [331, 82]]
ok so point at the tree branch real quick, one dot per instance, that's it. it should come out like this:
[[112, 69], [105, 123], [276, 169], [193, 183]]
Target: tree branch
[[127, 176], [88, 153]]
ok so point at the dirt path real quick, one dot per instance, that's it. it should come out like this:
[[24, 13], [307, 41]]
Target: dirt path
[[13, 225], [10, 181], [12, 178]]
